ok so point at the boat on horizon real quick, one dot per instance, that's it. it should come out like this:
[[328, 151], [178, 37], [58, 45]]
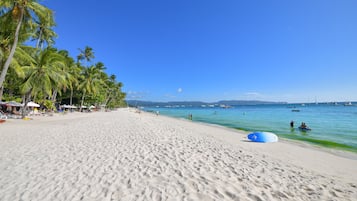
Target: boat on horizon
[[225, 106], [348, 104]]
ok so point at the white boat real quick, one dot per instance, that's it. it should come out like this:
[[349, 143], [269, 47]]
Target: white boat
[[348, 104], [225, 106]]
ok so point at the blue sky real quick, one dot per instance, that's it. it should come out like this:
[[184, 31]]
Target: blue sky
[[174, 50]]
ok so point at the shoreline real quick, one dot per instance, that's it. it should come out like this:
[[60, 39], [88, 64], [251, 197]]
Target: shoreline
[[318, 143], [286, 141], [339, 152], [124, 155]]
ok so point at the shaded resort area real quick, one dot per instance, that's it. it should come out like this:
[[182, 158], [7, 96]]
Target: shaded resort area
[[15, 110]]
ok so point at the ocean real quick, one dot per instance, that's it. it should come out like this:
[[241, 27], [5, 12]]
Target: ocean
[[332, 125]]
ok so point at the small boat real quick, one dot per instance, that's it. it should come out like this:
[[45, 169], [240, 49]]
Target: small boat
[[225, 106], [348, 104], [304, 129], [295, 110]]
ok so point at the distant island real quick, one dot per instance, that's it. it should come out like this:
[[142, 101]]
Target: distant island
[[222, 103]]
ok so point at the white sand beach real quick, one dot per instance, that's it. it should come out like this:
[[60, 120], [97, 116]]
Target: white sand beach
[[123, 155]]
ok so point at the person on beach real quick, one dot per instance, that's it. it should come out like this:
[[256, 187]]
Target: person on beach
[[292, 124]]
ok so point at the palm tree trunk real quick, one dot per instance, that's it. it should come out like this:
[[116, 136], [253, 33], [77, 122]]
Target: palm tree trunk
[[107, 99], [1, 92], [26, 98], [54, 95], [70, 99], [84, 93], [39, 39], [12, 52]]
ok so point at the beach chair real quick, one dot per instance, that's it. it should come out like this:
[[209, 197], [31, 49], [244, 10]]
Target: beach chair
[[3, 115], [34, 112]]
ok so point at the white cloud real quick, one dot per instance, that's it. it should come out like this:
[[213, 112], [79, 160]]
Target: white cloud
[[179, 90]]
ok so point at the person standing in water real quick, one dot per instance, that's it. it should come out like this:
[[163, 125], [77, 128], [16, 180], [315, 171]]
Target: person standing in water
[[292, 124], [190, 117]]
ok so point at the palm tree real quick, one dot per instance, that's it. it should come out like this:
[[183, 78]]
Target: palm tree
[[16, 73], [112, 89], [44, 74], [73, 73], [7, 26], [22, 11], [86, 54], [21, 57], [41, 73], [44, 34], [90, 82], [69, 78]]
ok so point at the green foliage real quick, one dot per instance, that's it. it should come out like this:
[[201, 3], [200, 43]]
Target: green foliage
[[49, 105], [43, 73]]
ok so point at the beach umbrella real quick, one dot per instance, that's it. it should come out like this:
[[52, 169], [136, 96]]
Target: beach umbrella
[[68, 106], [32, 104], [14, 104]]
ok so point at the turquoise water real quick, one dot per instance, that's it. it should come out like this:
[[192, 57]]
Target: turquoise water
[[332, 126]]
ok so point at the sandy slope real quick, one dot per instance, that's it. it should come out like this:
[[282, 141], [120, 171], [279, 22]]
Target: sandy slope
[[125, 155]]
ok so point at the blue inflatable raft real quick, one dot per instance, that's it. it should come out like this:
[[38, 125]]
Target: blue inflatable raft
[[304, 129], [262, 137]]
